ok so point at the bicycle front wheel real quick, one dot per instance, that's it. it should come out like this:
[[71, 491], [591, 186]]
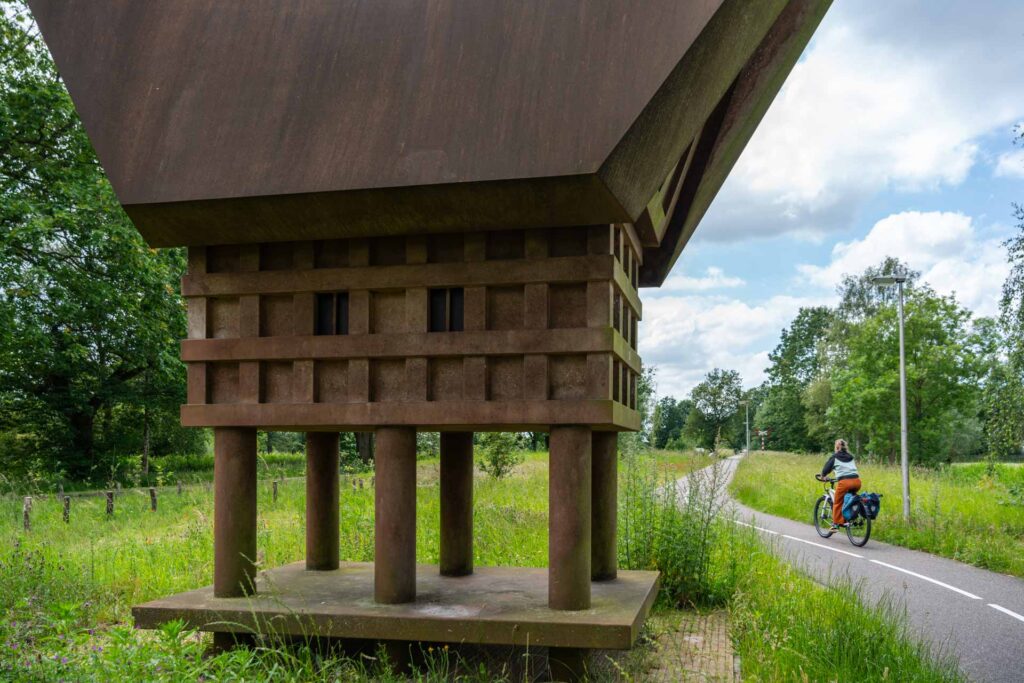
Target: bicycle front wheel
[[823, 517], [859, 530]]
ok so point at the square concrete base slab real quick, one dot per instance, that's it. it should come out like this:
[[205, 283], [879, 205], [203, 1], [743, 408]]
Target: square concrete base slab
[[493, 606]]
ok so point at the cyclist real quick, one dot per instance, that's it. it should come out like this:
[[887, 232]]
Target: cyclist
[[847, 479]]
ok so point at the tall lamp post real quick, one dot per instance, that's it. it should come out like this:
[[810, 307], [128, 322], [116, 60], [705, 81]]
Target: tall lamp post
[[898, 278], [746, 404]]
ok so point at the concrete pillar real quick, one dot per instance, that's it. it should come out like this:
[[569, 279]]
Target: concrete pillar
[[456, 503], [322, 500], [604, 505], [395, 515], [569, 489], [234, 511]]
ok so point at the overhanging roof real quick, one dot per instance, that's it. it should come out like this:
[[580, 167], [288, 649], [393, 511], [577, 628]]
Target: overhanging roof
[[223, 122]]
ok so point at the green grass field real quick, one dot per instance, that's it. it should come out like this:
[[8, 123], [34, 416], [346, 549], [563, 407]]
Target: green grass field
[[960, 512], [66, 589]]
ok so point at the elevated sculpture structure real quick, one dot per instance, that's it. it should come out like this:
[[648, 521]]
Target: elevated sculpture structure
[[421, 215]]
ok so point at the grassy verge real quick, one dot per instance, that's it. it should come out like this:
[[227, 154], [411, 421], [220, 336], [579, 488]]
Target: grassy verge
[[65, 590], [788, 628], [961, 512]]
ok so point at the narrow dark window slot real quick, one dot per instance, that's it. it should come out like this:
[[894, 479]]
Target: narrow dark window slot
[[437, 315], [455, 315], [341, 316], [324, 314]]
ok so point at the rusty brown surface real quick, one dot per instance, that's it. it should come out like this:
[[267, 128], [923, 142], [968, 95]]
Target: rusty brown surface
[[486, 343], [234, 511], [471, 415], [727, 131], [288, 86], [604, 505], [494, 605], [456, 524], [548, 332], [569, 511], [322, 501], [395, 515], [222, 123]]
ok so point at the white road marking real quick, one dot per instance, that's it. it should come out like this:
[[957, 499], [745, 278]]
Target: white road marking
[[818, 545], [1006, 611], [928, 578], [767, 531]]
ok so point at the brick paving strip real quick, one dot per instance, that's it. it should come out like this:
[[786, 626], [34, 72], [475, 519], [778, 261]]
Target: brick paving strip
[[693, 647]]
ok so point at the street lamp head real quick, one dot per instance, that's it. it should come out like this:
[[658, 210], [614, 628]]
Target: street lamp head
[[894, 278]]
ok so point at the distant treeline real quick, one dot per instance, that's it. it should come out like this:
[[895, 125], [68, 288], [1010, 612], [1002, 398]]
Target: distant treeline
[[835, 374]]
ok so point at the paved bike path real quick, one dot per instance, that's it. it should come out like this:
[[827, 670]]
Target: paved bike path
[[976, 614]]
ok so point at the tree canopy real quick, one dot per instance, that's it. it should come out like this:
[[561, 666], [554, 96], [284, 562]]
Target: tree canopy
[[716, 402], [91, 315]]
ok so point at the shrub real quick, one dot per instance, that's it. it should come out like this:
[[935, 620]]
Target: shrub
[[677, 528], [500, 452]]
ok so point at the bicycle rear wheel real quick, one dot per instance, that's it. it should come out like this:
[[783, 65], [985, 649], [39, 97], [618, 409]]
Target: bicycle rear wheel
[[859, 530], [823, 517]]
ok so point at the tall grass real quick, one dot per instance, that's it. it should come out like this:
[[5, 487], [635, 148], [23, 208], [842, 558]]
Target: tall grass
[[960, 511], [785, 626], [788, 628], [677, 530], [65, 590]]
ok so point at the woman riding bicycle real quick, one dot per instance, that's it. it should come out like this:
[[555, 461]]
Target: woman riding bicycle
[[847, 479]]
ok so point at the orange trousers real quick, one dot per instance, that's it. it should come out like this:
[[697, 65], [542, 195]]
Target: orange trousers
[[843, 487]]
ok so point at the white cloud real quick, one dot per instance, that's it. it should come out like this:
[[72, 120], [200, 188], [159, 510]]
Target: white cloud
[[888, 96], [713, 278], [1010, 164], [686, 336], [946, 247]]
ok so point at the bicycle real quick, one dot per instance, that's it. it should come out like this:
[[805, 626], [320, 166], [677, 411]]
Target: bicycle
[[858, 531]]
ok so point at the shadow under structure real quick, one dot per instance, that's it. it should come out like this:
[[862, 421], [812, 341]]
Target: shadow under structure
[[420, 215]]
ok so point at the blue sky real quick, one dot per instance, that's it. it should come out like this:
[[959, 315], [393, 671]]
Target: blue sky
[[892, 136]]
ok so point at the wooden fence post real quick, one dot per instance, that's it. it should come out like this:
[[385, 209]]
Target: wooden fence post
[[152, 498], [26, 511], [67, 509], [275, 490], [179, 487], [60, 491], [110, 503]]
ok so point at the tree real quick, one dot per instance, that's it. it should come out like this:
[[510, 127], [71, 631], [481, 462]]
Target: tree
[[796, 359], [1011, 305], [92, 316], [1004, 388], [498, 453], [860, 297], [1003, 419], [783, 413], [795, 362], [668, 421], [943, 369], [715, 405]]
